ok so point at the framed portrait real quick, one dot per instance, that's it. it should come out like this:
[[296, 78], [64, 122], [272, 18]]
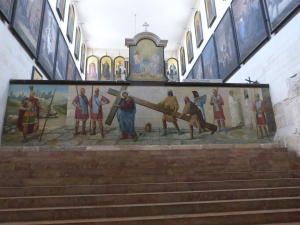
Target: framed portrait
[[279, 11], [119, 68], [146, 61], [70, 26], [61, 61], [92, 68], [77, 75], [48, 41], [82, 57], [250, 26], [198, 69], [210, 9], [189, 46], [6, 7], [198, 29], [77, 43], [60, 8], [182, 61], [190, 75], [209, 60], [228, 60], [71, 68], [172, 70], [26, 22], [105, 68], [36, 75]]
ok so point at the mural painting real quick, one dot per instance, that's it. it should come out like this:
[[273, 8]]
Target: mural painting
[[103, 114]]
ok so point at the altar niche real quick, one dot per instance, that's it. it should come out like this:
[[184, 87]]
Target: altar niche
[[146, 58]]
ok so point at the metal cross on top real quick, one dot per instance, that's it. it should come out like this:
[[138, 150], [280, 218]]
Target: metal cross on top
[[145, 25]]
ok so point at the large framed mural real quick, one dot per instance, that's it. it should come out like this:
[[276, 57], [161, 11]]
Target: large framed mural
[[198, 29], [71, 69], [82, 57], [92, 68], [105, 68], [172, 70], [64, 112], [77, 43], [198, 69], [211, 13], [228, 59], [60, 8], [189, 46], [279, 11], [71, 21], [36, 75], [119, 68], [61, 61], [146, 62], [49, 38], [77, 75], [182, 61], [26, 22], [250, 26], [209, 59], [6, 9]]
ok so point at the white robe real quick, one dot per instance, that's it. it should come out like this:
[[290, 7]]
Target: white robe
[[234, 111]]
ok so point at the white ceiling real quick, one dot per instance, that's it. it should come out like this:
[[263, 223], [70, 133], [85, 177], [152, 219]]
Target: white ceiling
[[106, 23]]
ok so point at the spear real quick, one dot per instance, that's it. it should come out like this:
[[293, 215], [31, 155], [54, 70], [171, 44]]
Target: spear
[[47, 115], [91, 109]]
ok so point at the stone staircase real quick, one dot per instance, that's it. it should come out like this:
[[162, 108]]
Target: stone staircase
[[162, 185]]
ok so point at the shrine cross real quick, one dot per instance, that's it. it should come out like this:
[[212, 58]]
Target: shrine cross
[[145, 25]]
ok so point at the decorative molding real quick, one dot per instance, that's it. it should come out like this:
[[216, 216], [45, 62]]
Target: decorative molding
[[146, 35]]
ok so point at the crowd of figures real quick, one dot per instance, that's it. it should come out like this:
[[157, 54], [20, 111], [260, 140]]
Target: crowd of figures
[[90, 109]]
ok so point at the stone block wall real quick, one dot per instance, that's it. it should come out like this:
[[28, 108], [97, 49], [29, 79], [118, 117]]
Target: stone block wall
[[287, 116]]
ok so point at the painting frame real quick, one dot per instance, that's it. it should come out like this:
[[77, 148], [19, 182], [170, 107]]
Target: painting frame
[[36, 75], [251, 37], [71, 23], [189, 46], [198, 68], [77, 43], [172, 70], [146, 61], [182, 61], [198, 28], [82, 57], [106, 68], [226, 46], [61, 63], [276, 21], [92, 68], [209, 60], [77, 75], [6, 10], [119, 68], [21, 20], [211, 13], [71, 68], [60, 8], [48, 42]]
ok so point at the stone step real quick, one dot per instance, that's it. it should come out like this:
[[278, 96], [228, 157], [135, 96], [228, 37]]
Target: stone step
[[142, 210], [147, 187], [262, 217], [146, 198], [171, 175]]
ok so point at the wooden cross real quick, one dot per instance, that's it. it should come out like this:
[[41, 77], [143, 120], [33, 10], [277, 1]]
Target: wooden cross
[[139, 101], [145, 25]]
